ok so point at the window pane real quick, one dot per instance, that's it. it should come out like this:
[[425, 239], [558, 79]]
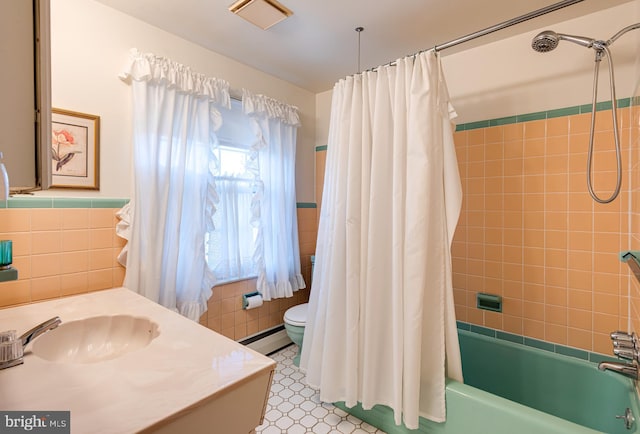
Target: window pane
[[231, 244]]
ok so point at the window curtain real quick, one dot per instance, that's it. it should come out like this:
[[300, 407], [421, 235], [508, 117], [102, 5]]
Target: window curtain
[[381, 327], [277, 253], [173, 200], [232, 250]]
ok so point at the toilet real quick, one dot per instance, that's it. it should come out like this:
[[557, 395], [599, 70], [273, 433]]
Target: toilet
[[295, 318]]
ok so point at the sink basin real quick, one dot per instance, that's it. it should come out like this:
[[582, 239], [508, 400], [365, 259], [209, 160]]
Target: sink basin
[[95, 339]]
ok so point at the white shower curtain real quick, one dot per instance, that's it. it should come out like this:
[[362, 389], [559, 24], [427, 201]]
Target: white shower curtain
[[381, 326]]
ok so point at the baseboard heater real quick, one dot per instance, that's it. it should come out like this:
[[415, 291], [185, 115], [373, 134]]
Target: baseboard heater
[[268, 341]]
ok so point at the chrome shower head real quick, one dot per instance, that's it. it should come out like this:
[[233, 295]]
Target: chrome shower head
[[545, 41], [548, 40]]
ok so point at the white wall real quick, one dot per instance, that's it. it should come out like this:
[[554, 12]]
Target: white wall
[[90, 45], [323, 112], [507, 77]]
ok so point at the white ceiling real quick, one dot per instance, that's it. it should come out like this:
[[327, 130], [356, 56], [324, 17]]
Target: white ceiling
[[318, 45]]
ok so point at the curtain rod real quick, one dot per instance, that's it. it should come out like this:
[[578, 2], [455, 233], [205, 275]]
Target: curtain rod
[[503, 25], [512, 22]]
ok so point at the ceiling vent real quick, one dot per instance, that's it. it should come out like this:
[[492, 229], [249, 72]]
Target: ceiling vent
[[262, 13]]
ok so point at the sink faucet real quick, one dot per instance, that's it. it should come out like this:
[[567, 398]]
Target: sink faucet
[[626, 369], [12, 347], [39, 329]]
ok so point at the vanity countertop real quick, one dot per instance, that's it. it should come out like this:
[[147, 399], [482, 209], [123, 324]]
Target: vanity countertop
[[185, 367]]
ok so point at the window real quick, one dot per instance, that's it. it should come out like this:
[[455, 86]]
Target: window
[[230, 246]]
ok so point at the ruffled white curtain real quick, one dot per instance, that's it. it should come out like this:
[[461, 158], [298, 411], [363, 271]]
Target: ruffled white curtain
[[174, 123], [277, 253], [381, 326]]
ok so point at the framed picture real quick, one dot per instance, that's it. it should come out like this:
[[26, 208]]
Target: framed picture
[[75, 150]]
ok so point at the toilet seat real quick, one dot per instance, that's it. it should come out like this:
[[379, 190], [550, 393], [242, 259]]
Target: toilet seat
[[297, 315]]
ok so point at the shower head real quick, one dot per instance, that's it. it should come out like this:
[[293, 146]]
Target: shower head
[[548, 40]]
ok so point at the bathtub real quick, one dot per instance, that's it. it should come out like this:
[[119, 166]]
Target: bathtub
[[512, 388]]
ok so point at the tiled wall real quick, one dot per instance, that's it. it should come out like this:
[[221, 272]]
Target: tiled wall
[[58, 250], [530, 232], [65, 247], [635, 207], [225, 314]]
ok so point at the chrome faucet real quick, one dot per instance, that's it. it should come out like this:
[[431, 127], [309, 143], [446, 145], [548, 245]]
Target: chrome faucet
[[12, 347], [626, 369], [625, 346], [40, 329]]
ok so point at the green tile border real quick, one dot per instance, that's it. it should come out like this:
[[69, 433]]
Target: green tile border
[[516, 339], [482, 330], [30, 202], [62, 202], [321, 148], [84, 202], [107, 203], [306, 205], [572, 352], [536, 343], [541, 345], [549, 114]]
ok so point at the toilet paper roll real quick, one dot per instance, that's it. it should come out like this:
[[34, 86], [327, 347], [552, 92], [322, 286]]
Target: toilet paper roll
[[252, 301]]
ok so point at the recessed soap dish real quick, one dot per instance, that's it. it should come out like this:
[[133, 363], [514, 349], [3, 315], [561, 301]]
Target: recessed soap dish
[[489, 302]]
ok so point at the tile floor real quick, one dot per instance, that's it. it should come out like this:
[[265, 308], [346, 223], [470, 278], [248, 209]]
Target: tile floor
[[295, 408]]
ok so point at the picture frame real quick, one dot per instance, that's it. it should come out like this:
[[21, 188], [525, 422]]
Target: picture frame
[[75, 150]]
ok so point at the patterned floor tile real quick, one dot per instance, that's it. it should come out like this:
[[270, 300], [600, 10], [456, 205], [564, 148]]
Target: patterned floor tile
[[295, 408]]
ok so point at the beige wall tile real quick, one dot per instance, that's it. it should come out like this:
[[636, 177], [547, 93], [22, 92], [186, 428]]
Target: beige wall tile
[[532, 231], [74, 240], [45, 288], [15, 220], [46, 219], [21, 242], [74, 262], [46, 242], [53, 257], [100, 279], [101, 238], [102, 218], [75, 218], [100, 259], [46, 265], [15, 292]]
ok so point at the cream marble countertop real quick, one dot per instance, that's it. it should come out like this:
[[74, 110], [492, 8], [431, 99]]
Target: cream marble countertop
[[186, 366]]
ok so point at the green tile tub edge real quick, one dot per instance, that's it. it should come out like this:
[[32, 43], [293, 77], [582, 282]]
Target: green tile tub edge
[[536, 343], [549, 114], [63, 202]]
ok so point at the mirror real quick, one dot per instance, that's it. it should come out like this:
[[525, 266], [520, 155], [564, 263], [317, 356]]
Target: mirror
[[25, 101]]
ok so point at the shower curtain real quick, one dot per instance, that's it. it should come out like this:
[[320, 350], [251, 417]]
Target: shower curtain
[[381, 326]]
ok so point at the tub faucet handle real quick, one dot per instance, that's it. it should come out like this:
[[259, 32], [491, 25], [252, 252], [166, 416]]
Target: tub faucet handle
[[626, 353], [624, 344], [623, 336], [627, 417]]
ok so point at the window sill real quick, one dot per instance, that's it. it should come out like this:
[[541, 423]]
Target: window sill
[[240, 279]]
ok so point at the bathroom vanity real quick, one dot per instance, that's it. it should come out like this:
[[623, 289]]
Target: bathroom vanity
[[179, 378]]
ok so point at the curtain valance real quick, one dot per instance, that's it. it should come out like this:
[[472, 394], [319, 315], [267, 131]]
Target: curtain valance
[[253, 104], [150, 67]]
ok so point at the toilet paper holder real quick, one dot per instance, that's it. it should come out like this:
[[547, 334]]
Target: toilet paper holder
[[251, 300]]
